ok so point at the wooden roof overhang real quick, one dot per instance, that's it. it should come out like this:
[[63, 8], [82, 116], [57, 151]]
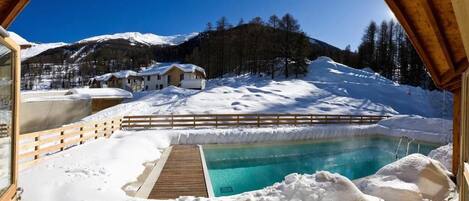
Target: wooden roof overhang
[[9, 9], [433, 30]]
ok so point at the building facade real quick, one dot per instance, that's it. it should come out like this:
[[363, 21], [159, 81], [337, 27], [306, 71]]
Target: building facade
[[127, 80], [187, 76]]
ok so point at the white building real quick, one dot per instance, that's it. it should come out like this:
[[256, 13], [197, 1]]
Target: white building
[[187, 76]]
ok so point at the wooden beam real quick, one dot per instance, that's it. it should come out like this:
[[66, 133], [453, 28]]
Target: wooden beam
[[464, 137], [461, 9], [435, 27], [396, 8], [456, 129], [15, 9], [450, 76]]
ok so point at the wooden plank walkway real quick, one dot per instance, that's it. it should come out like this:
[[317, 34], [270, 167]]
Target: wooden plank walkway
[[182, 175]]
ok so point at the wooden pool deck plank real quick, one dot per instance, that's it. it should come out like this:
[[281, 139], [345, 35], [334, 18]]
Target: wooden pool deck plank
[[182, 175]]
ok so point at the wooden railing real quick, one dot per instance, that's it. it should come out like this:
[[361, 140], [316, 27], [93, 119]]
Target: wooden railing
[[35, 146], [231, 120]]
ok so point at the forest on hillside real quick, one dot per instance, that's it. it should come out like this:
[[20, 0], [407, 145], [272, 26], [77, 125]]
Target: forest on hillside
[[272, 47], [278, 46]]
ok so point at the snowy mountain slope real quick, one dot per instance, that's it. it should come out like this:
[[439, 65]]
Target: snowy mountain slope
[[329, 88], [35, 49], [38, 49], [18, 39], [133, 37], [147, 38]]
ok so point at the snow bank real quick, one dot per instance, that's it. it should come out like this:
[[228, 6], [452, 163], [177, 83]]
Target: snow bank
[[57, 98], [430, 125], [102, 92], [94, 171], [321, 186], [288, 133], [414, 177], [444, 155]]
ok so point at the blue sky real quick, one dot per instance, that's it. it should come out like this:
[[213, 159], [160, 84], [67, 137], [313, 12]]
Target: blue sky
[[338, 22]]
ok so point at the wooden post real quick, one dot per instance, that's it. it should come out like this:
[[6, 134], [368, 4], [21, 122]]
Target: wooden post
[[81, 135], [150, 125], [36, 147], [193, 117], [96, 131], [172, 121], [278, 119], [216, 121], [295, 122], [237, 120], [62, 140], [258, 121], [456, 129], [105, 129]]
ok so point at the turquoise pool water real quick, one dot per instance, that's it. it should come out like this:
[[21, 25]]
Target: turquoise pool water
[[235, 169]]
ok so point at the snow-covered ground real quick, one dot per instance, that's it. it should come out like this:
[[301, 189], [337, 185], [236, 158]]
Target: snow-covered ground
[[328, 88], [100, 169]]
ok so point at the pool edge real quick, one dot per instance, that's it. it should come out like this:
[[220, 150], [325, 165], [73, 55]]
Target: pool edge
[[145, 190], [208, 182]]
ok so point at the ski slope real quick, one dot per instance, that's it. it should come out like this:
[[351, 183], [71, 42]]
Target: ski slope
[[328, 88]]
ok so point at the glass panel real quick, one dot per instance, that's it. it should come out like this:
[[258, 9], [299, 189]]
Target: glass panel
[[6, 108]]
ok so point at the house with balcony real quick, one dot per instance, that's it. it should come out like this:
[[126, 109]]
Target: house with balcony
[[187, 76]]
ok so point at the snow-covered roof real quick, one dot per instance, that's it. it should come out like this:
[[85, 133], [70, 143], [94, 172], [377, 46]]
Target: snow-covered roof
[[120, 74], [125, 73], [160, 70], [97, 93]]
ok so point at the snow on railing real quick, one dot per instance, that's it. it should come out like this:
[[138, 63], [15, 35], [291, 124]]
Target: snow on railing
[[33, 147], [235, 120]]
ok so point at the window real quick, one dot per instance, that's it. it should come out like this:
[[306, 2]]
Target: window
[[161, 86], [128, 81], [7, 102], [146, 87], [148, 78], [159, 77], [169, 79], [181, 77]]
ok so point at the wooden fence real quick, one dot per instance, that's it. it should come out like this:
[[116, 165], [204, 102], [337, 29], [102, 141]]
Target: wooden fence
[[230, 120], [35, 146]]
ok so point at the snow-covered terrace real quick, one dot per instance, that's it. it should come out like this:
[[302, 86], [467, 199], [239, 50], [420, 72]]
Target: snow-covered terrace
[[105, 169]]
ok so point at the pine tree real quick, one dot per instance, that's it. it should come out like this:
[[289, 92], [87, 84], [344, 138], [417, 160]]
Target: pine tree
[[367, 50], [288, 25]]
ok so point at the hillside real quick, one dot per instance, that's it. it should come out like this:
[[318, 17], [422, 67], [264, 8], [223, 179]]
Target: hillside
[[328, 88], [60, 62]]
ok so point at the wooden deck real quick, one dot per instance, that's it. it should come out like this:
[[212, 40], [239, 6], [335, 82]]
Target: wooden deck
[[182, 175]]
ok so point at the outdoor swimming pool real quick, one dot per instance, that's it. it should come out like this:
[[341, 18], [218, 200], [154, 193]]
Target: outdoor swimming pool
[[235, 169]]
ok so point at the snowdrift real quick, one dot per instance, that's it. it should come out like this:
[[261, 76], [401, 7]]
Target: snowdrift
[[414, 177]]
